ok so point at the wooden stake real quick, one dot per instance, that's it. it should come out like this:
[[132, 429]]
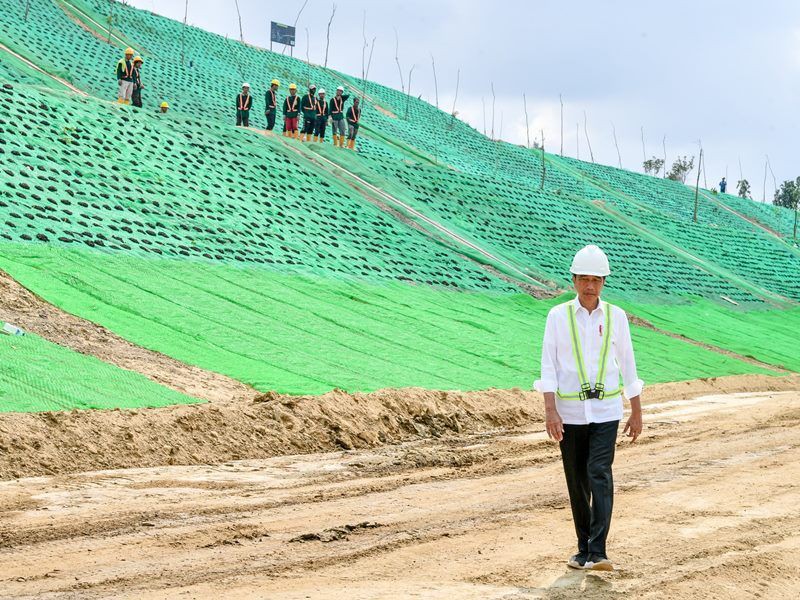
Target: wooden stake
[[544, 167], [561, 100], [183, 32], [408, 96], [435, 81], [664, 166], [644, 152], [493, 102], [697, 185], [328, 35], [586, 132], [527, 128], [397, 60], [619, 156], [239, 14], [453, 112]]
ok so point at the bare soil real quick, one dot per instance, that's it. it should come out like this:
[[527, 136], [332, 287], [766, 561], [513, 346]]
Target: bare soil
[[706, 507]]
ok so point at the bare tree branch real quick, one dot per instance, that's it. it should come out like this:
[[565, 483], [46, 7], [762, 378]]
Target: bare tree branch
[[241, 32], [183, 32], [408, 96], [483, 104], [619, 156], [110, 18], [586, 132], [296, 19], [544, 167], [455, 99], [697, 185], [527, 125], [493, 102], [435, 81], [328, 37], [664, 146], [561, 100], [644, 152], [397, 60], [366, 73]]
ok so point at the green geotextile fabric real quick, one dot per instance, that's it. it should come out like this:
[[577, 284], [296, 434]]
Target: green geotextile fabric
[[299, 334], [37, 375], [770, 336]]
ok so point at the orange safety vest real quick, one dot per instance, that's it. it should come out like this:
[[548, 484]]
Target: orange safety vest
[[274, 103], [245, 104], [292, 107], [127, 69], [322, 108], [352, 115], [337, 106]]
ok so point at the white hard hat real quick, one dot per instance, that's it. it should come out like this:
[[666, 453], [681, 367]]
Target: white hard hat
[[322, 91], [590, 260], [247, 85], [340, 89]]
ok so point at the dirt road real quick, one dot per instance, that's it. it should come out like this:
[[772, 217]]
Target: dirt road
[[706, 507]]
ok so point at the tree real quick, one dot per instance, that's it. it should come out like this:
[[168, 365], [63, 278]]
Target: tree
[[680, 169], [788, 195], [743, 187], [653, 165]]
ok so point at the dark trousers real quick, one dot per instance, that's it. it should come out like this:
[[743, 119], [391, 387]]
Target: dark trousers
[[243, 117], [270, 120], [319, 127], [587, 452], [308, 124], [136, 97]]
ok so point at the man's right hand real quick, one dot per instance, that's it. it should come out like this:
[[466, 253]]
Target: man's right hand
[[554, 425]]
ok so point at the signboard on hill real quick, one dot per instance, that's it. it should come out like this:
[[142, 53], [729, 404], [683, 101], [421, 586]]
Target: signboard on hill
[[282, 34]]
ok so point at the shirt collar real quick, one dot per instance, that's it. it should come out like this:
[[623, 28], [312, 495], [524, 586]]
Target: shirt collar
[[578, 306]]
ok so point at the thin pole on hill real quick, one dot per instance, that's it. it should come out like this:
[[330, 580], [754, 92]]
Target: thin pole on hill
[[493, 102], [527, 127], [183, 32], [397, 60], [239, 14], [561, 100], [578, 138], [328, 35], [453, 112], [586, 132], [408, 96], [364, 51], [110, 18], [764, 192], [741, 174], [502, 114], [308, 58], [794, 234], [544, 168], [664, 166], [366, 74], [697, 185], [483, 105], [27, 8], [644, 151], [705, 181], [435, 81], [774, 180], [296, 19], [619, 156]]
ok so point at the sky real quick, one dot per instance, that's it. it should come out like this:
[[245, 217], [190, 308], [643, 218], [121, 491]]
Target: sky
[[724, 74]]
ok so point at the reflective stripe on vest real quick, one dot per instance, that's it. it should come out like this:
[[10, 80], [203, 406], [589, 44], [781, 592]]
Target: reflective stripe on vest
[[577, 354], [292, 108], [274, 103], [322, 108], [245, 105], [127, 69], [338, 106], [353, 116]]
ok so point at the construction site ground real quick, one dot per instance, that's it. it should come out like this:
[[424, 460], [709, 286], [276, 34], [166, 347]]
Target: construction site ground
[[706, 507]]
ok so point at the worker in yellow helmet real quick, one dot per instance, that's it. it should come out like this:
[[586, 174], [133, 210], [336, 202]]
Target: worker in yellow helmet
[[163, 108], [291, 108], [125, 77], [272, 103], [136, 95]]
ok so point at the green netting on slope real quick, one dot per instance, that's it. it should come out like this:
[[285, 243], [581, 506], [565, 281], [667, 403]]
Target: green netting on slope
[[307, 335], [81, 172], [540, 230], [37, 375], [767, 335], [778, 218], [666, 208]]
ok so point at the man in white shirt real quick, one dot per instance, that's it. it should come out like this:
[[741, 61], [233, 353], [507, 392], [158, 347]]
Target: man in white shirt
[[587, 347]]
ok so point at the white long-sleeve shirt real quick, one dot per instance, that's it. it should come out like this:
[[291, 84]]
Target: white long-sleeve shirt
[[559, 370]]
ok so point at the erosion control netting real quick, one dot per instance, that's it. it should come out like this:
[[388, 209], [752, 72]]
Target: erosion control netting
[[308, 335], [37, 375], [777, 218], [197, 190], [666, 208]]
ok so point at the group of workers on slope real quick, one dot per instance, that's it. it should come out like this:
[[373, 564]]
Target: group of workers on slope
[[316, 109], [129, 80]]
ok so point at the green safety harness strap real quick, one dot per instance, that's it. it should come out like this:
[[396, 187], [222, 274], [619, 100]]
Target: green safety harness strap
[[587, 392]]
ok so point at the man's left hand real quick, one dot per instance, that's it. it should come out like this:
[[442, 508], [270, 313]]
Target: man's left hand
[[633, 427]]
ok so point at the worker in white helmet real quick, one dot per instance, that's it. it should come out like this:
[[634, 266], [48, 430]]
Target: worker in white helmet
[[323, 113], [244, 102], [586, 350], [337, 117]]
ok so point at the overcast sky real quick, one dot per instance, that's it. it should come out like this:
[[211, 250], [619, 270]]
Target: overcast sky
[[726, 72]]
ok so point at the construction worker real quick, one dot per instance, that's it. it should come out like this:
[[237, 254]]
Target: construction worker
[[723, 185], [353, 117], [587, 347], [309, 108], [322, 117], [291, 108], [136, 95], [125, 77], [272, 103], [163, 108], [244, 101], [337, 117]]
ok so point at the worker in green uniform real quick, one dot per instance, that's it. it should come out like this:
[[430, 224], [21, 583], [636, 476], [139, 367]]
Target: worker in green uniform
[[244, 101], [136, 95], [272, 103], [337, 117], [125, 77], [353, 117], [323, 113], [309, 107], [291, 108]]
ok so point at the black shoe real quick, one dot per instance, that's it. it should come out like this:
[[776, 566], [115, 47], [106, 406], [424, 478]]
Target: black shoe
[[578, 561], [598, 562]]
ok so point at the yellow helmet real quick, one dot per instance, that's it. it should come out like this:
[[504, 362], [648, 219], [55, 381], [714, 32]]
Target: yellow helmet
[[138, 59], [275, 82], [164, 105], [128, 51], [292, 86]]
